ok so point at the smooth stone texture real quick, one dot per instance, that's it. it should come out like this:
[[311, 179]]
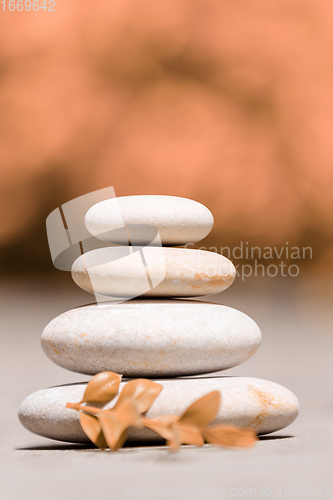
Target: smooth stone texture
[[151, 338], [178, 220], [246, 402], [174, 272]]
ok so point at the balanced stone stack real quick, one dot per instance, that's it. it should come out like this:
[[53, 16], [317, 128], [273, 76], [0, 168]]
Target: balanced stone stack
[[160, 335]]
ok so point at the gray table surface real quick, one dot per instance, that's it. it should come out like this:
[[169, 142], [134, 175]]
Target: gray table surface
[[294, 316]]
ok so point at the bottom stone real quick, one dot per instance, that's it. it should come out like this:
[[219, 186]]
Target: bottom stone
[[246, 402]]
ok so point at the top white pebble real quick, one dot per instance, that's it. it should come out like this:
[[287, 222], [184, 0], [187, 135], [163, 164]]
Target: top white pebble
[[136, 218]]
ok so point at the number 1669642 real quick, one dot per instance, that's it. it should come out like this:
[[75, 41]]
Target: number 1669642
[[26, 5]]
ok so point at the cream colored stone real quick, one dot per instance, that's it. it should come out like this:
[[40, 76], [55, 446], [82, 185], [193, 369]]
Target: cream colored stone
[[151, 338], [178, 220], [246, 402], [175, 272]]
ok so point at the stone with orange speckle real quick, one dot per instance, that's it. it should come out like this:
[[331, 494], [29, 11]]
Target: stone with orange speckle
[[246, 402], [153, 272], [151, 338]]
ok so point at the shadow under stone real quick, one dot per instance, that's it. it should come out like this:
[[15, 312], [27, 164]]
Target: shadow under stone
[[272, 438], [130, 444], [91, 447], [56, 447]]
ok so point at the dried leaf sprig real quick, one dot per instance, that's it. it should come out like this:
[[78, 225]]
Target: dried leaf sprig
[[107, 428]]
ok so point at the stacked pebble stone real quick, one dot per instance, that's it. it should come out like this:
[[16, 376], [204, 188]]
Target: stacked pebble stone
[[160, 335]]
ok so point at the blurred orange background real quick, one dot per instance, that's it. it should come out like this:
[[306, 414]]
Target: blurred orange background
[[228, 103]]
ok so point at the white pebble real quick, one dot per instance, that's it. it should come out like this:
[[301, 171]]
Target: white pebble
[[246, 402], [151, 338], [173, 272], [178, 220]]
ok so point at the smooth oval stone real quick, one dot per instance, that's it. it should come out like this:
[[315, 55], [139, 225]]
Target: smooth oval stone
[[173, 272], [151, 338], [178, 220], [246, 402]]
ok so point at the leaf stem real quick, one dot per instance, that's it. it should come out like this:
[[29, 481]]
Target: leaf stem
[[86, 408]]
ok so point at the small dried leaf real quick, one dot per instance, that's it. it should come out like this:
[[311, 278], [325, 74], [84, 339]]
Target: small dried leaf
[[113, 429], [161, 425], [202, 411], [102, 388], [174, 441], [229, 436], [189, 434], [127, 413], [93, 430], [121, 440], [142, 391]]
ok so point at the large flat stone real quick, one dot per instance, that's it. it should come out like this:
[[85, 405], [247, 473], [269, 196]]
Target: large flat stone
[[151, 338], [246, 402]]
